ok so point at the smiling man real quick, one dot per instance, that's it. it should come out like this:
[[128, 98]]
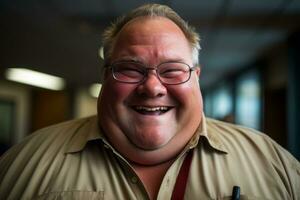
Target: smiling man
[[150, 102], [150, 139]]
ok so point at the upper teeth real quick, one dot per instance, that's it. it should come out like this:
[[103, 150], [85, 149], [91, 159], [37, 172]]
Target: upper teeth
[[161, 108]]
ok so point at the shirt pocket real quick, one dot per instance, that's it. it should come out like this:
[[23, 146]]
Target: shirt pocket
[[72, 195], [243, 197]]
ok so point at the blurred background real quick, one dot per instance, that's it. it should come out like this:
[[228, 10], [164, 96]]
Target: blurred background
[[250, 62]]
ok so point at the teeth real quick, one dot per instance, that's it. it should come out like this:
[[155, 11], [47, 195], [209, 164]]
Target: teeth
[[152, 109]]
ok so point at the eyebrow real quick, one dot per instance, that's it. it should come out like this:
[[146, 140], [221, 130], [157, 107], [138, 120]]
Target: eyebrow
[[141, 61], [130, 59]]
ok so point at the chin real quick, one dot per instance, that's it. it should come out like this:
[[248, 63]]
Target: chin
[[154, 138], [150, 145]]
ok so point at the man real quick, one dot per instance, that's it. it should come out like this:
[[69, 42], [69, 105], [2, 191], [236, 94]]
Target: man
[[150, 139]]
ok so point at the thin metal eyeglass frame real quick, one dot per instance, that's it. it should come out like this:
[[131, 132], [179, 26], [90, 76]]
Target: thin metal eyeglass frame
[[147, 69]]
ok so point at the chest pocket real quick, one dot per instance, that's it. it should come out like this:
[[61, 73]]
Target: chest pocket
[[72, 195], [242, 197]]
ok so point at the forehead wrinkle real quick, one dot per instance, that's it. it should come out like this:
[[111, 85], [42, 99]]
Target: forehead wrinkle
[[136, 39], [155, 46], [160, 56]]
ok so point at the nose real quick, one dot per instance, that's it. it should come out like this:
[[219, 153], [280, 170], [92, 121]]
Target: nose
[[151, 87]]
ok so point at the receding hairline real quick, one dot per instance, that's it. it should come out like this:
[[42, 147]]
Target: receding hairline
[[140, 19], [136, 24], [150, 11]]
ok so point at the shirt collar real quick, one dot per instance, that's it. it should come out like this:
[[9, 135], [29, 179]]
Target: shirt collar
[[89, 130], [211, 137]]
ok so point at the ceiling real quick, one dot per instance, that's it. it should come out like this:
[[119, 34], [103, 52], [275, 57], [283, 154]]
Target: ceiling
[[62, 37]]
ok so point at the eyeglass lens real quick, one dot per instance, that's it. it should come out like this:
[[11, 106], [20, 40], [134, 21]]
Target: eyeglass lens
[[169, 73]]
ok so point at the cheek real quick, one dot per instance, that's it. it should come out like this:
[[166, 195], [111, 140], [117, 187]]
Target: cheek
[[111, 103], [116, 93], [187, 95]]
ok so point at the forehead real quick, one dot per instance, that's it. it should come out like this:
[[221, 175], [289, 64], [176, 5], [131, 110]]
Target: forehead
[[152, 24], [152, 36], [142, 27]]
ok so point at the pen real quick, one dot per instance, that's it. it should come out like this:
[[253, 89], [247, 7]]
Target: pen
[[235, 193]]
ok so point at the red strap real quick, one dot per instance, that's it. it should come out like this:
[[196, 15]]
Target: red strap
[[180, 185]]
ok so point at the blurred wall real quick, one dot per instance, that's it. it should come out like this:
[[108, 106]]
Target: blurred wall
[[85, 104], [20, 96], [278, 72], [293, 101]]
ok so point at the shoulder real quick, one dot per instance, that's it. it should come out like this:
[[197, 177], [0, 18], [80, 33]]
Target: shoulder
[[251, 144], [240, 140], [249, 147], [58, 132], [37, 155], [61, 129], [49, 141]]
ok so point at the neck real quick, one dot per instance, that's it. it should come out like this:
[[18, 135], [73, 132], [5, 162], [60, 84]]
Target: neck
[[152, 176]]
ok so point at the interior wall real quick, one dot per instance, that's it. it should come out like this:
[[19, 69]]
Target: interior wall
[[85, 105], [275, 94], [20, 94], [50, 107], [37, 108], [294, 95]]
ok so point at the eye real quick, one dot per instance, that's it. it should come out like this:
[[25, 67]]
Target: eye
[[172, 70], [128, 69]]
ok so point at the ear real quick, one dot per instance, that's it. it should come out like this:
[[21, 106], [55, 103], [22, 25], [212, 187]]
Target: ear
[[198, 71]]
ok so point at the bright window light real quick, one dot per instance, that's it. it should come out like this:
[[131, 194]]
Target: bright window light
[[95, 89], [248, 102], [222, 102], [35, 78]]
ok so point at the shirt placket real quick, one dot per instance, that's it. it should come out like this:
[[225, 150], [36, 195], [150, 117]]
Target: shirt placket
[[133, 180]]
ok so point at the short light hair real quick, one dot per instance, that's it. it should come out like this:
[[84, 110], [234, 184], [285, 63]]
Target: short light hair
[[150, 10]]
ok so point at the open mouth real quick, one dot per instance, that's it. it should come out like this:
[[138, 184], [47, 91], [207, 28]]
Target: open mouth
[[151, 110]]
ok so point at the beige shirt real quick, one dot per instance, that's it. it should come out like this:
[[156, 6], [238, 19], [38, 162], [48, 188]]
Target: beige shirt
[[73, 160]]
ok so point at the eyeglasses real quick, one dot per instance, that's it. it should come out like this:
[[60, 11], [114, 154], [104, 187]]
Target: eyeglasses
[[171, 73]]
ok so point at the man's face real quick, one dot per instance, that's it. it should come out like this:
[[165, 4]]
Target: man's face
[[150, 118]]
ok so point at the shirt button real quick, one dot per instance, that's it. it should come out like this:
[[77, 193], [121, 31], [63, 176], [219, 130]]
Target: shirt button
[[134, 179]]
